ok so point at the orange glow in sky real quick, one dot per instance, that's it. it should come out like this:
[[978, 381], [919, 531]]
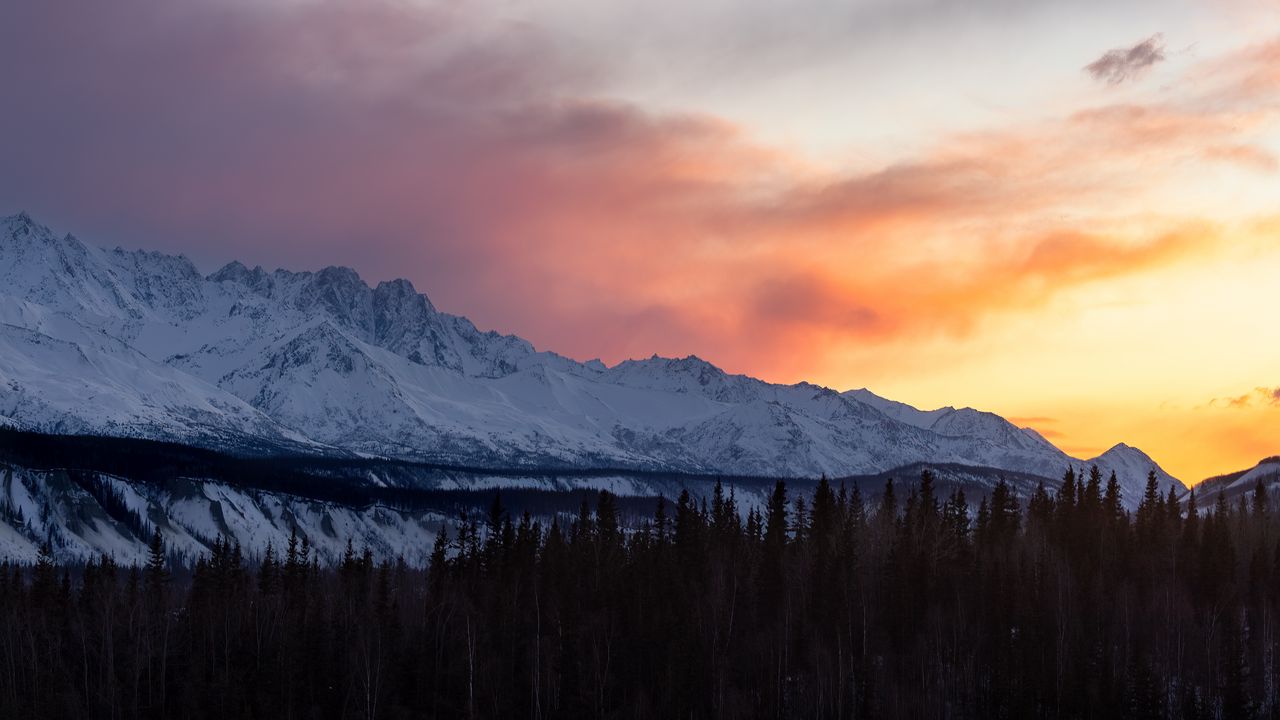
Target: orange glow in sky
[[1067, 213]]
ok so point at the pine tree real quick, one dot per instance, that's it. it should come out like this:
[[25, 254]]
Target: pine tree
[[1091, 500], [1040, 508], [857, 510], [660, 522], [928, 498], [607, 523], [687, 525], [269, 572], [44, 576], [775, 527], [887, 514], [1066, 500], [955, 518], [823, 519], [157, 571], [1150, 514], [1112, 503]]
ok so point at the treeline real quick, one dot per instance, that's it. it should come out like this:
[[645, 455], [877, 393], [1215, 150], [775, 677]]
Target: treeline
[[1060, 605], [403, 485]]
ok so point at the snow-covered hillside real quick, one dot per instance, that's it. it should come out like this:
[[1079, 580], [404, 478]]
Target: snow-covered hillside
[[38, 506], [1233, 485], [142, 344]]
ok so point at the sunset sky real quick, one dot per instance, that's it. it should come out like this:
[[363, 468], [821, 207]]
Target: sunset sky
[[1064, 212]]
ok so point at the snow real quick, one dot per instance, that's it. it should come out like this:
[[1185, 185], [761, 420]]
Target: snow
[[1132, 466], [194, 514], [1268, 471], [140, 344]]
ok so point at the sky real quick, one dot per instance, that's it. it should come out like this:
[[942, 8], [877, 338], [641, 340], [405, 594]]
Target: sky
[[1064, 212]]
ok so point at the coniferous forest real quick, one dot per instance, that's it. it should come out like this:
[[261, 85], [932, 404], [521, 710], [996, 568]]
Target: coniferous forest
[[829, 605]]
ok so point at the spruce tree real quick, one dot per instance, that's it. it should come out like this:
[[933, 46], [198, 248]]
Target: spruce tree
[[156, 574]]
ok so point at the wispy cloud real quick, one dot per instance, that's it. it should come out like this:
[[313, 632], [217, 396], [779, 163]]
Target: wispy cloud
[[1122, 64], [1260, 396], [1249, 156]]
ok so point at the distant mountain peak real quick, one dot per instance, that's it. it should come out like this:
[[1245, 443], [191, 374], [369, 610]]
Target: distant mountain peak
[[1124, 450], [340, 274], [18, 220], [21, 226]]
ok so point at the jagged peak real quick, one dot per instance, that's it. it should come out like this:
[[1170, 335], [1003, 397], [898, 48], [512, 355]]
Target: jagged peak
[[688, 362], [399, 285], [401, 290], [237, 272], [21, 224], [231, 271], [152, 261], [19, 218], [818, 390], [689, 365], [693, 361], [340, 273]]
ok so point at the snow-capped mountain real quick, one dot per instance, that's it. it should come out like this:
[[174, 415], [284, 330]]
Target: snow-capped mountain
[[142, 344], [1133, 466], [1233, 485], [1023, 448]]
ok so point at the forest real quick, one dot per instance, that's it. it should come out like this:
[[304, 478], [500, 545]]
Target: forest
[[826, 604]]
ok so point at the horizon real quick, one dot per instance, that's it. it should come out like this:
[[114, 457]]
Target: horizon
[[1063, 217]]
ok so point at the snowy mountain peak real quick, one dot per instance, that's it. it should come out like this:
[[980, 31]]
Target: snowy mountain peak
[[1125, 451], [236, 272], [19, 230], [21, 224], [1132, 466], [148, 346]]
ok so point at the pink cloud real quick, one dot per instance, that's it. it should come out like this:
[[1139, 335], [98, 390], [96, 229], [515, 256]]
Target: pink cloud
[[484, 163]]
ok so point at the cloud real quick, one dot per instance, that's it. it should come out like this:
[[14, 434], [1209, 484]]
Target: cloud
[[1248, 156], [809, 298], [491, 166], [1260, 396], [1123, 64]]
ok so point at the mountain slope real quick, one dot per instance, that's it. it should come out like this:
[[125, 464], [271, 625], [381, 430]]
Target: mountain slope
[[1025, 449], [1233, 485], [141, 344]]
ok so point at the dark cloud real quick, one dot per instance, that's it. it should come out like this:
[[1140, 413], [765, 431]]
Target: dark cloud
[[1121, 64]]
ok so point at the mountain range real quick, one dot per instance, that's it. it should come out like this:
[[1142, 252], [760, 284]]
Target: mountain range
[[141, 344]]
